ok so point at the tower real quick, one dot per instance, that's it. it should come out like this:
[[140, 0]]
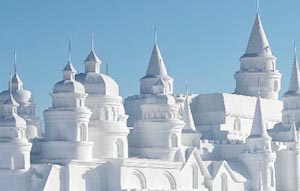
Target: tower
[[156, 79], [259, 157], [257, 63], [26, 105], [291, 98], [66, 122], [107, 126], [14, 146], [157, 132]]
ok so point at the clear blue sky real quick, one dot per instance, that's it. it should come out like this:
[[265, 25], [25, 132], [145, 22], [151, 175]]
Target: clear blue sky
[[201, 40]]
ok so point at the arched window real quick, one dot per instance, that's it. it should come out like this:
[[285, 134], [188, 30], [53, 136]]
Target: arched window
[[174, 140], [237, 124], [224, 182], [120, 148], [195, 175]]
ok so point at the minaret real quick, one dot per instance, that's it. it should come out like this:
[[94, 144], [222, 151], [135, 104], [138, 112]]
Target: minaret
[[259, 157], [14, 146], [156, 73], [17, 83], [258, 62], [66, 122], [292, 96]]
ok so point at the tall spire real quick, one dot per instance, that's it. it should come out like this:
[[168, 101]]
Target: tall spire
[[259, 129], [156, 66], [92, 62], [15, 62], [294, 86], [187, 113], [257, 6], [258, 43], [69, 70], [92, 40], [155, 35], [70, 50]]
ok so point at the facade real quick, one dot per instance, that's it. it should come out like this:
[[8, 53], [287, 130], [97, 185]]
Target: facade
[[248, 140]]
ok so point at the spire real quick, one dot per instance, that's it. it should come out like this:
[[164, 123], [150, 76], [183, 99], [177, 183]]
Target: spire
[[257, 6], [155, 36], [258, 43], [258, 127], [294, 86], [156, 66], [69, 70], [92, 62], [16, 82], [294, 135], [15, 62], [187, 114]]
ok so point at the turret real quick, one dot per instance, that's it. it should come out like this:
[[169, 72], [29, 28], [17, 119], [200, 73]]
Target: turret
[[107, 126], [291, 97], [156, 80], [66, 122], [257, 63], [258, 156], [14, 146]]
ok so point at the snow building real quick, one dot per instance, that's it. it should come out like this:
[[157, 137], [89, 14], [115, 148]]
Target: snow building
[[248, 140]]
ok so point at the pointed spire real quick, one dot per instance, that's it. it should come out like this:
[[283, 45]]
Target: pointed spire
[[294, 86], [187, 113], [155, 36], [257, 6], [70, 50], [69, 70], [259, 129], [10, 84], [156, 65], [15, 62], [106, 67], [92, 40], [258, 43]]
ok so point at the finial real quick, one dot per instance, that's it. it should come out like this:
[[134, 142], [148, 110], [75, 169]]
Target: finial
[[106, 72], [155, 36], [186, 87], [15, 62], [259, 90], [10, 84], [257, 6], [295, 49], [92, 40], [70, 49]]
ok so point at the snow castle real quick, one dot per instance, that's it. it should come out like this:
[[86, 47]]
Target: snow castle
[[93, 140]]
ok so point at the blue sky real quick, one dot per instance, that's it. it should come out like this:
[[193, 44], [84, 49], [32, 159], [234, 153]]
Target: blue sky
[[201, 40]]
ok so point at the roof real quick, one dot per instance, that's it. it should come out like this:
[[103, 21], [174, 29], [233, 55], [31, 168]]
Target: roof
[[187, 116], [156, 66], [259, 129], [294, 86], [258, 43], [92, 57], [69, 67]]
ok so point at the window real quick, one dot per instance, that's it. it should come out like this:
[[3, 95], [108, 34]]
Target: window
[[174, 140], [119, 145]]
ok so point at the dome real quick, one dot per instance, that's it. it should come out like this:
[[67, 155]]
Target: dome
[[21, 96], [96, 83], [70, 86]]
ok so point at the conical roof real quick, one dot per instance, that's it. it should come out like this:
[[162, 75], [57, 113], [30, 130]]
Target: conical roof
[[187, 116], [258, 43], [294, 86], [259, 129], [156, 65]]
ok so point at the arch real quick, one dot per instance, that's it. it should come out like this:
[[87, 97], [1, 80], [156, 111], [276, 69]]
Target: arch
[[171, 179], [195, 176], [83, 132], [224, 182], [141, 179], [120, 148], [237, 124], [174, 140]]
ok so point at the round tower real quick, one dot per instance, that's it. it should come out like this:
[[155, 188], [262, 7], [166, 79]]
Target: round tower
[[107, 126], [26, 105], [66, 122], [14, 146], [258, 64]]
